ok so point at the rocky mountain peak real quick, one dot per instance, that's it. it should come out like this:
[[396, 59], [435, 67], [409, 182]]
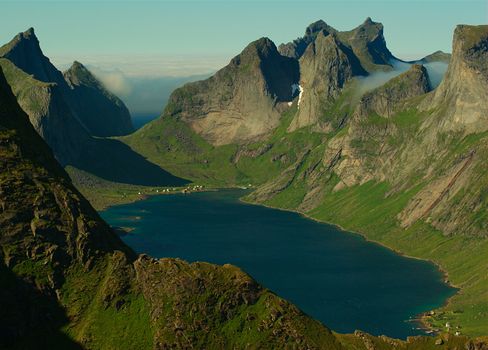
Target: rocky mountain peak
[[78, 74], [105, 114], [297, 47], [369, 44], [258, 49], [325, 67], [462, 93], [25, 52], [317, 27]]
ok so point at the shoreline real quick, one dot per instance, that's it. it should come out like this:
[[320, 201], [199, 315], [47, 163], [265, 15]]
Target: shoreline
[[420, 319]]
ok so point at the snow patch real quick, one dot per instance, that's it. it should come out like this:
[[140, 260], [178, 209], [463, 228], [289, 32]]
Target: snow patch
[[294, 89]]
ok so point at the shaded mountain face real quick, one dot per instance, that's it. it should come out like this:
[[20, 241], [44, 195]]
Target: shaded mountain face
[[461, 96], [24, 51], [103, 113], [241, 102]]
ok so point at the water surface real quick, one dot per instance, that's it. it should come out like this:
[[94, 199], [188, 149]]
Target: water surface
[[334, 276]]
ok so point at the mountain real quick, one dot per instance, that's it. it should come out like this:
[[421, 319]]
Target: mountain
[[61, 113], [437, 56], [69, 282], [242, 101], [103, 113], [366, 41], [385, 99], [85, 96]]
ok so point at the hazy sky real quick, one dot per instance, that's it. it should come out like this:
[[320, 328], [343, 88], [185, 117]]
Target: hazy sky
[[164, 37]]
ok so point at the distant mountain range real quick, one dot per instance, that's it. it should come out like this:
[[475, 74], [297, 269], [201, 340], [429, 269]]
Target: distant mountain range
[[308, 124]]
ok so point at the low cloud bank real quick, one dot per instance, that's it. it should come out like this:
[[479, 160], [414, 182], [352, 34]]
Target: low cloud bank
[[435, 70], [144, 96]]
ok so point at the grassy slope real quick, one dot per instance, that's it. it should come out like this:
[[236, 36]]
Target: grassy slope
[[372, 211]]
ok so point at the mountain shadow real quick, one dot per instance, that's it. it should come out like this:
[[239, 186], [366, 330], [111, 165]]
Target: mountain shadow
[[30, 319], [114, 161]]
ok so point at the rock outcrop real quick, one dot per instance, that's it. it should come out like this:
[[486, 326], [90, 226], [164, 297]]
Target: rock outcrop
[[241, 102]]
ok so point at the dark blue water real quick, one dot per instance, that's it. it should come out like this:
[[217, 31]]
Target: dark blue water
[[334, 276], [139, 120]]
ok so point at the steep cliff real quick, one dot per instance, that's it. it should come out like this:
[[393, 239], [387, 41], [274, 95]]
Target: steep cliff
[[461, 96]]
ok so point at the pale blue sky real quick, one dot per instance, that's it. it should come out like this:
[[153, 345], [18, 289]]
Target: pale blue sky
[[200, 36]]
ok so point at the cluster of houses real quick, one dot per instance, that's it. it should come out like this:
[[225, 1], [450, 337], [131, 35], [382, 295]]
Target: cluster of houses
[[187, 189], [194, 188]]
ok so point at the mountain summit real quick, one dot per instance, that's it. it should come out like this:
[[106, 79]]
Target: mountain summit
[[103, 113], [242, 101]]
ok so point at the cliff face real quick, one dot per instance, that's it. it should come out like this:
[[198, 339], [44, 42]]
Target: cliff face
[[461, 96], [49, 113], [242, 101], [103, 113]]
